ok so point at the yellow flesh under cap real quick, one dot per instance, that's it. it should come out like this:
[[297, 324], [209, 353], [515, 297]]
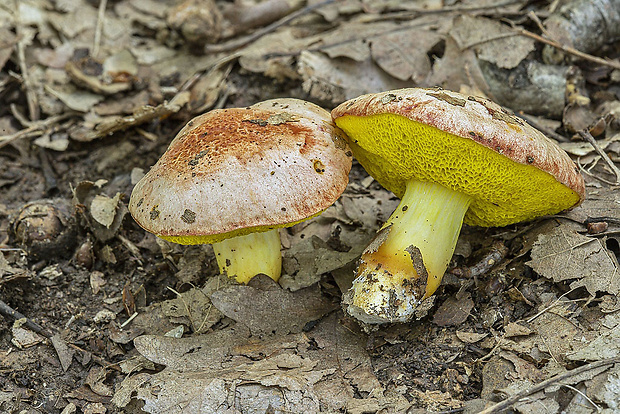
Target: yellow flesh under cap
[[394, 150]]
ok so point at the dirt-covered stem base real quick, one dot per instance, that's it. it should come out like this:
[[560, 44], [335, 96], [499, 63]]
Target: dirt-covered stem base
[[407, 259]]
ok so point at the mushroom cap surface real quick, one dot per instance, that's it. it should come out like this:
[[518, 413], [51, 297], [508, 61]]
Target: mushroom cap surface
[[235, 171], [470, 144]]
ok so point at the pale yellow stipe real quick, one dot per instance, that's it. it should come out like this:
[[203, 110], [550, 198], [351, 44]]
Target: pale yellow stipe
[[395, 149], [249, 251], [243, 257], [427, 222]]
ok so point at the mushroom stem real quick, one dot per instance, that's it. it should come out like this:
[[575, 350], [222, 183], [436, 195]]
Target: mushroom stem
[[407, 259], [243, 257]]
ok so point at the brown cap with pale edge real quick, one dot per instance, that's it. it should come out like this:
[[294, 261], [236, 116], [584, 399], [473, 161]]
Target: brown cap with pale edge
[[469, 144], [234, 171]]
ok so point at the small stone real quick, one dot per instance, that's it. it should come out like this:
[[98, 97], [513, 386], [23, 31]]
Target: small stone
[[104, 316]]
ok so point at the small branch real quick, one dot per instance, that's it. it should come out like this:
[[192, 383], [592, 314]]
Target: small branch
[[586, 136], [97, 359], [551, 133], [99, 28], [567, 49], [588, 399], [413, 12], [504, 405], [589, 174], [242, 41], [496, 254], [36, 128], [9, 312], [31, 96]]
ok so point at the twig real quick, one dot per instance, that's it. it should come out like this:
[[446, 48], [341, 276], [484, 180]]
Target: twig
[[242, 41], [588, 173], [411, 13], [496, 254], [35, 129], [97, 359], [449, 9], [99, 28], [530, 120], [9, 312], [189, 312], [31, 96], [128, 321], [207, 71], [326, 46], [568, 49], [585, 134], [554, 304], [596, 407], [21, 118], [501, 406]]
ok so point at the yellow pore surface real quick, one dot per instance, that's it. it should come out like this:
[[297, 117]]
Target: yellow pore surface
[[394, 149], [216, 238]]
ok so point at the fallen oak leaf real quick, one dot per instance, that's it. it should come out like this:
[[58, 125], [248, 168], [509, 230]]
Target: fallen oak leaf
[[266, 309], [563, 254]]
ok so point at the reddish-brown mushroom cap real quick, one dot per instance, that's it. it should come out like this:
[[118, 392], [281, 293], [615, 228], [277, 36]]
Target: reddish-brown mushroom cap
[[233, 171]]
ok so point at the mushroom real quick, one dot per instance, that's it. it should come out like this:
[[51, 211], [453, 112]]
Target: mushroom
[[232, 177], [450, 158]]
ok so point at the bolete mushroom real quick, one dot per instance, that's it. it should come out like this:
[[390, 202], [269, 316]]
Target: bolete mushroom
[[232, 177], [451, 158]]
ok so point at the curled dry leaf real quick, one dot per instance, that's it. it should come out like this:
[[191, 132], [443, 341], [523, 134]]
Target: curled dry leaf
[[470, 337], [103, 209], [104, 214]]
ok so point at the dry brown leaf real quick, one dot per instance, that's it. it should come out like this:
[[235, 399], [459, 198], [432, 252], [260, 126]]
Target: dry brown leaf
[[470, 337], [108, 212], [605, 345], [600, 204], [564, 254], [309, 258], [336, 80], [226, 369], [404, 54], [606, 388], [454, 68], [352, 39], [492, 40], [454, 311], [7, 43], [194, 308], [582, 148], [103, 209], [268, 309], [78, 100], [8, 272]]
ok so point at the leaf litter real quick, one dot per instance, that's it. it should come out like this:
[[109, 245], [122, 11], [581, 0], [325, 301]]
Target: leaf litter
[[100, 92]]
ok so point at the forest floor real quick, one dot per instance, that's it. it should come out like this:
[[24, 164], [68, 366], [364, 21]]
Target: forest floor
[[112, 319]]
